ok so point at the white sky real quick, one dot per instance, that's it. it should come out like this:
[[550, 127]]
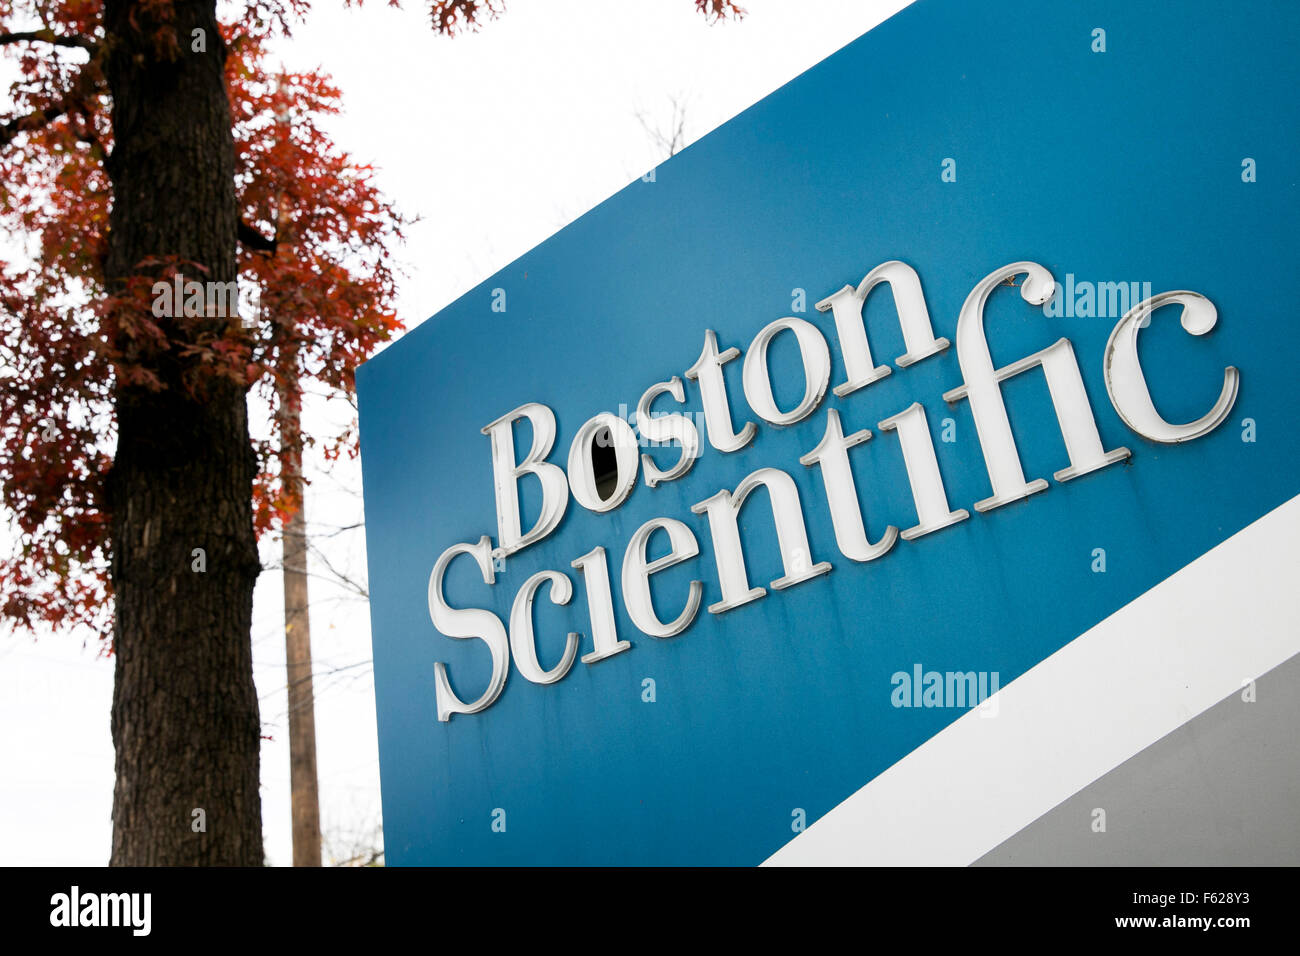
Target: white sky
[[496, 140]]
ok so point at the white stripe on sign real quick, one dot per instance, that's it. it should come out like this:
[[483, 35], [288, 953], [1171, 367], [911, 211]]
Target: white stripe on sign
[[1192, 640]]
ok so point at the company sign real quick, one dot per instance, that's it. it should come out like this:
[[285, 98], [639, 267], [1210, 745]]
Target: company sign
[[814, 451]]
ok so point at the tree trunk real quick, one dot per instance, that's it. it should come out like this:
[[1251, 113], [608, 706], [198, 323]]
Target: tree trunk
[[185, 717], [297, 641]]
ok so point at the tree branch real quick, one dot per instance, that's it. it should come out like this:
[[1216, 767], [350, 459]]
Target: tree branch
[[49, 36], [254, 239], [85, 84], [34, 120]]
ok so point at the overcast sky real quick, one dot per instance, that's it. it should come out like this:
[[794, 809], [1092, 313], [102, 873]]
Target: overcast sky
[[495, 140]]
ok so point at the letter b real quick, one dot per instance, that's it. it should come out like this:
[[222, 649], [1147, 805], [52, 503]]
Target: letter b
[[506, 474]]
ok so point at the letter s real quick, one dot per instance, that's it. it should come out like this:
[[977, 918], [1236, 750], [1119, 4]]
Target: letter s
[[467, 623]]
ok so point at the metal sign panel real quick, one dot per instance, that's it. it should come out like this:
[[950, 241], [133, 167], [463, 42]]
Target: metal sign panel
[[899, 241]]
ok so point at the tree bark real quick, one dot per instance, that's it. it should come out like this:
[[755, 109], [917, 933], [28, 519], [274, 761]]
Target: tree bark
[[185, 717]]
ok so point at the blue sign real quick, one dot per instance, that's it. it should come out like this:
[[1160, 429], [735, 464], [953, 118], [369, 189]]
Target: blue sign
[[1043, 254]]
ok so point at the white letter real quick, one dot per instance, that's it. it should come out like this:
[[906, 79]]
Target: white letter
[[816, 358], [1127, 385], [582, 477], [523, 644], [1064, 382], [465, 623], [918, 333], [664, 428], [636, 576], [59, 915], [600, 607], [931, 500], [713, 394], [506, 474], [791, 537], [141, 907], [832, 453]]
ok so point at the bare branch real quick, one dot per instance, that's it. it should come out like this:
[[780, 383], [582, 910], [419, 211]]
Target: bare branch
[[342, 578], [671, 139], [337, 579], [337, 529]]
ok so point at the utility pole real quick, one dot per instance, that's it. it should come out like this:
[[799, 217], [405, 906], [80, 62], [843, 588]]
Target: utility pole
[[303, 788]]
